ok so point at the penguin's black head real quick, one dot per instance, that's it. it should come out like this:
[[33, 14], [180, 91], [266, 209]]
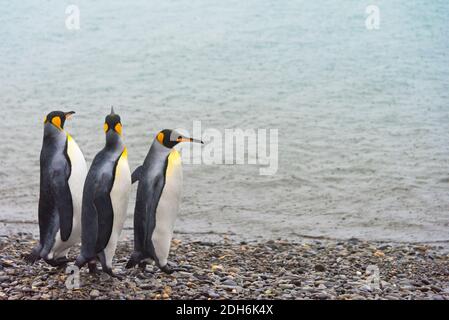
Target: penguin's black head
[[58, 118], [170, 138], [113, 122]]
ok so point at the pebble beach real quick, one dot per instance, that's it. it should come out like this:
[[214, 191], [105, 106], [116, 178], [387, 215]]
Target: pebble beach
[[227, 269]]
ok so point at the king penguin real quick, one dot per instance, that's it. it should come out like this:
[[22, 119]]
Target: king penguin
[[157, 201], [105, 199], [62, 173]]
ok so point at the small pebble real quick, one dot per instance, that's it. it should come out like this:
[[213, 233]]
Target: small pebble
[[320, 268], [94, 293]]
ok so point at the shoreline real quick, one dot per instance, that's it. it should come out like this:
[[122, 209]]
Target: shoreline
[[18, 227], [228, 269]]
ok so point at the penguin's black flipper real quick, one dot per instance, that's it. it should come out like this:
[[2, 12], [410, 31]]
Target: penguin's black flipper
[[62, 198], [156, 192], [105, 212], [136, 174]]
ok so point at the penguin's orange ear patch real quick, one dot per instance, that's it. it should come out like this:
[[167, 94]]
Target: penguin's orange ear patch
[[160, 138], [56, 121], [118, 128], [45, 119], [105, 127]]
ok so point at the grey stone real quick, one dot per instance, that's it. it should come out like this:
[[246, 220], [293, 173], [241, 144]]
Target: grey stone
[[94, 293]]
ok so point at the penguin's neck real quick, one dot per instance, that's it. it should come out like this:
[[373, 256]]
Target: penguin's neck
[[114, 142], [53, 135], [158, 153]]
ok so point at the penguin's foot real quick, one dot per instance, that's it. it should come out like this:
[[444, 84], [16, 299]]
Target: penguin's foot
[[134, 260], [34, 255], [173, 266], [169, 270], [59, 263], [92, 267], [143, 266]]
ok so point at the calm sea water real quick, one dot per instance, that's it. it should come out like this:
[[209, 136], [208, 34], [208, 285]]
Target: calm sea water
[[363, 116]]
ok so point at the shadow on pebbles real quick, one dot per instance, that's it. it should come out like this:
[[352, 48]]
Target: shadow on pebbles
[[279, 269]]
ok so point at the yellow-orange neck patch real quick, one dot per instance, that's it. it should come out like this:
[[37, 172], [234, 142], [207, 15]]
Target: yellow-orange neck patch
[[56, 122], [160, 138], [174, 160], [125, 153], [118, 128]]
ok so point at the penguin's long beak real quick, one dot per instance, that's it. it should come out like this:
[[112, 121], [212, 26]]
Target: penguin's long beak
[[69, 114], [185, 139]]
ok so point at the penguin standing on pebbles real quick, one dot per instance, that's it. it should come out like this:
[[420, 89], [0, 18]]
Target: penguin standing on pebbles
[[105, 200], [157, 201], [62, 173]]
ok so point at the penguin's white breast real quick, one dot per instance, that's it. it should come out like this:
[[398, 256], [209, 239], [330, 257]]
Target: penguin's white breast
[[171, 194], [78, 167], [76, 182], [168, 206], [120, 192]]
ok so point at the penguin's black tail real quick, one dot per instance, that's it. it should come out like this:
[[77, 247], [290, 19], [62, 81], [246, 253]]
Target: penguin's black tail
[[134, 260]]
